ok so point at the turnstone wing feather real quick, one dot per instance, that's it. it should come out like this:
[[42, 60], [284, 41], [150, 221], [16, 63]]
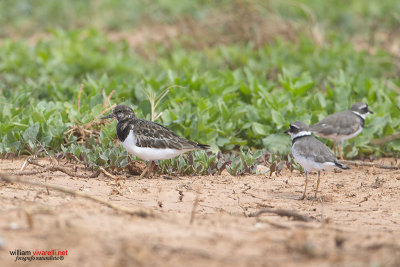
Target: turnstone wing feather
[[148, 140], [310, 153], [342, 125]]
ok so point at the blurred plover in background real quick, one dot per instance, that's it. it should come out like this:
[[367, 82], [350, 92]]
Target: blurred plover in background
[[342, 125]]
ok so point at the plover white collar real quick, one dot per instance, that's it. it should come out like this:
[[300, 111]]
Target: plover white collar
[[148, 140], [361, 116], [296, 136], [310, 153], [342, 125]]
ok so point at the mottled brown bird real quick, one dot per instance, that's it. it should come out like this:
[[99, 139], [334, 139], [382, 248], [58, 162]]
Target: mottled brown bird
[[148, 140]]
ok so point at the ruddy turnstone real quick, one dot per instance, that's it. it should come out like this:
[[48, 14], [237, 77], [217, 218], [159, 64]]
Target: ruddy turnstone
[[342, 125], [148, 140], [310, 153]]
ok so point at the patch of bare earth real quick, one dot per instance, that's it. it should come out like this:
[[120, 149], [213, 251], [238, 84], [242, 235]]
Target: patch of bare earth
[[354, 222]]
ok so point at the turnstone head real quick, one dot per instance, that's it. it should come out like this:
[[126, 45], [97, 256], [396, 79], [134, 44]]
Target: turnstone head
[[148, 140], [310, 153], [342, 125]]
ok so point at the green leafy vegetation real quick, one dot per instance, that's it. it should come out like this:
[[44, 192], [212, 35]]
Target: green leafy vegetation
[[231, 95]]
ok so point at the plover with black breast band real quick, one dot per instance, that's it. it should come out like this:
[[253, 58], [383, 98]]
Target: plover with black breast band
[[310, 153], [148, 140], [342, 125]]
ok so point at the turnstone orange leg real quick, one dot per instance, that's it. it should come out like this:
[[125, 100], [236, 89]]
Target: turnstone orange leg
[[145, 171]]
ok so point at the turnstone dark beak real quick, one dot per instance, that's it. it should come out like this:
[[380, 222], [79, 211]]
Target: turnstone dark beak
[[109, 116]]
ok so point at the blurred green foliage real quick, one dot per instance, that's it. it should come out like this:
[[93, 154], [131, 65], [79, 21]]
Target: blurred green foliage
[[25, 17]]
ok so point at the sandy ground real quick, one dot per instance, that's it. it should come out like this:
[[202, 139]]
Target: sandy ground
[[356, 220]]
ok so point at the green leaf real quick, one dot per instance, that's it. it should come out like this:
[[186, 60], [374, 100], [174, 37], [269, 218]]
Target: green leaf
[[277, 143], [259, 129], [31, 133]]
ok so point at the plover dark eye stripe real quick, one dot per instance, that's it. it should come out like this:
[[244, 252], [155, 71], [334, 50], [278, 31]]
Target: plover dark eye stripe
[[310, 153], [342, 125], [148, 140]]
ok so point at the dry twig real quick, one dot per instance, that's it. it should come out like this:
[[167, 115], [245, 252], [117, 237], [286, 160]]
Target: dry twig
[[108, 99], [386, 139], [106, 173], [282, 212], [79, 98], [136, 212], [52, 167], [370, 164], [61, 169], [83, 132], [65, 170], [195, 204]]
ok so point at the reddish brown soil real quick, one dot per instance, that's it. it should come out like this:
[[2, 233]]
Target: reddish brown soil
[[356, 220]]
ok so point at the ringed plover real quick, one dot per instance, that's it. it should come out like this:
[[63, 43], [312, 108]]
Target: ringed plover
[[310, 153], [342, 125]]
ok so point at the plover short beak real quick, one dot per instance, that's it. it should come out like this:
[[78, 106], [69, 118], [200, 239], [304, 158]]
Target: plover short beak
[[287, 131], [109, 116], [370, 111]]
